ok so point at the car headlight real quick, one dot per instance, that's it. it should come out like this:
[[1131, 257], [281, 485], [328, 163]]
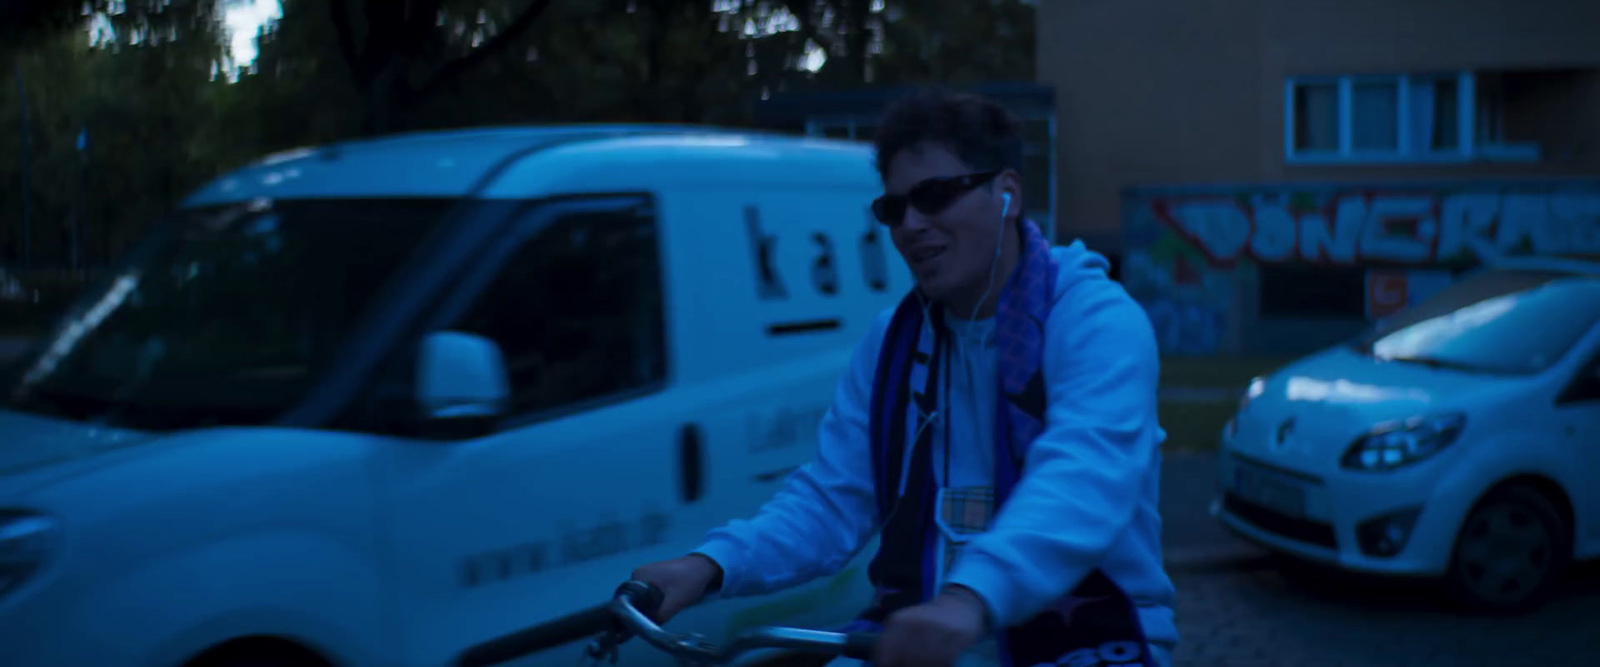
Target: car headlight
[[1403, 442], [26, 541], [1257, 387]]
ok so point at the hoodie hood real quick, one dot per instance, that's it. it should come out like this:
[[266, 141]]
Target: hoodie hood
[[1075, 264]]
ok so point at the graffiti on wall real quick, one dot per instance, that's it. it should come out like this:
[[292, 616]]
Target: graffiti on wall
[[1187, 302], [1188, 251], [1389, 227], [1187, 296]]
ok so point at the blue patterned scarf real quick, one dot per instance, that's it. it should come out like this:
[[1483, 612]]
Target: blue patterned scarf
[[1097, 623]]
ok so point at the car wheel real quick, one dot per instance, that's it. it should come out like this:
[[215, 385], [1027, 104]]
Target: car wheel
[[1511, 551], [258, 653], [263, 661]]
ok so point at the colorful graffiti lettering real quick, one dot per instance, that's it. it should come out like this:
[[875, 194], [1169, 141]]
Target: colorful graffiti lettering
[[1185, 328], [1413, 228], [1190, 251], [1186, 300]]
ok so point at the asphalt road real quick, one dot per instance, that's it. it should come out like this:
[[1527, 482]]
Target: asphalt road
[[1190, 536], [1248, 614], [1238, 607]]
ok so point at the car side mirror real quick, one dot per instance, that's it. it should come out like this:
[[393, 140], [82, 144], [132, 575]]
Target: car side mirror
[[462, 387]]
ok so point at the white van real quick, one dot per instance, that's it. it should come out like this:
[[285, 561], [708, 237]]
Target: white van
[[372, 403]]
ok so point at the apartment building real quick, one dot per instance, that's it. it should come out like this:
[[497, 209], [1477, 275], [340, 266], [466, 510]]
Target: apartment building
[[1273, 174]]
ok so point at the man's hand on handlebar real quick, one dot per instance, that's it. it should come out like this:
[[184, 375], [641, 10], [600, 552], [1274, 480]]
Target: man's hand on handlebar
[[933, 633], [684, 581]]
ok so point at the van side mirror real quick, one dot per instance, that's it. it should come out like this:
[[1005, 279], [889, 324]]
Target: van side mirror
[[462, 386]]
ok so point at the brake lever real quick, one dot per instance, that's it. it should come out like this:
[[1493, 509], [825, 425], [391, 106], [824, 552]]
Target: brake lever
[[698, 652], [604, 648]]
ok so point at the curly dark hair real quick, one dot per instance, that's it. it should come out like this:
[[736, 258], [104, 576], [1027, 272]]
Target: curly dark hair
[[980, 132]]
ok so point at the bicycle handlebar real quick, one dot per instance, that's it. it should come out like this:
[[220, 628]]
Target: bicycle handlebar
[[565, 630], [628, 613]]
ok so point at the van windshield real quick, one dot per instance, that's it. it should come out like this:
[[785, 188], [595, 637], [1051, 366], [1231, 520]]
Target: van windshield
[[225, 315], [1506, 322]]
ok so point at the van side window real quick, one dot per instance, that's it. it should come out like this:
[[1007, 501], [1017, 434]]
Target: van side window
[[577, 310]]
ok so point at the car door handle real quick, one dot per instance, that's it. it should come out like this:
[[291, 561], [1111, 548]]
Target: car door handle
[[691, 463]]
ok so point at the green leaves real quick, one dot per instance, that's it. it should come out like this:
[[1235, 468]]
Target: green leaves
[[162, 117], [137, 97]]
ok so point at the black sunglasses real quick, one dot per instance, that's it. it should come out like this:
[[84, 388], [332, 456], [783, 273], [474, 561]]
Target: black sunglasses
[[929, 197]]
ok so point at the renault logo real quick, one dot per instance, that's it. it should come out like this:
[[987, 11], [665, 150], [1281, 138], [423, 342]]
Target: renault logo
[[1284, 431]]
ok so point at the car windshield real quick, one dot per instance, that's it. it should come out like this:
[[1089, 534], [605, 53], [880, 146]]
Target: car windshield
[[1511, 322], [225, 315]]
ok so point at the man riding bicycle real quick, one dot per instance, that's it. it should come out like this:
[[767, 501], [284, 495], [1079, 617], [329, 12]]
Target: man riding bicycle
[[997, 430]]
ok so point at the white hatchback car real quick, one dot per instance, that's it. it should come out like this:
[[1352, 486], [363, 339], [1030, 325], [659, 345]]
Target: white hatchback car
[[1459, 440]]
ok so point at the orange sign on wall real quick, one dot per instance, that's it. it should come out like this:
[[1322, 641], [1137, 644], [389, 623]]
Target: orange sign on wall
[[1387, 293], [1390, 291]]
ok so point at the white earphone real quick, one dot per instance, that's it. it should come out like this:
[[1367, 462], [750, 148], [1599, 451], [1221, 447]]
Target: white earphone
[[994, 264]]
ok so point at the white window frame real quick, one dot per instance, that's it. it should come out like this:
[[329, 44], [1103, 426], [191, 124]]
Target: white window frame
[[1467, 149]]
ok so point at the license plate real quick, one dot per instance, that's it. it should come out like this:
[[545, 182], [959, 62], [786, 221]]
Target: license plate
[[1269, 491]]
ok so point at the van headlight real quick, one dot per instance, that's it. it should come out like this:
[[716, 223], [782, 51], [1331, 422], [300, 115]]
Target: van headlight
[[1396, 444], [26, 541]]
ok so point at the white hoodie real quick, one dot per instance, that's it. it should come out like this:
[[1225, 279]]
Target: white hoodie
[[1087, 498]]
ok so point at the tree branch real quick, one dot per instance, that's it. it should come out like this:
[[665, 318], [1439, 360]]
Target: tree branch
[[802, 10], [858, 38], [420, 24], [455, 68], [339, 12]]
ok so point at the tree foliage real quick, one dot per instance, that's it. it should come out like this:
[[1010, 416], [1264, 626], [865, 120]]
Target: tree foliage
[[104, 122], [151, 83]]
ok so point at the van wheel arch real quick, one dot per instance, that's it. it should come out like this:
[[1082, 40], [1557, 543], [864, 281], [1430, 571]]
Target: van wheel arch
[[259, 651]]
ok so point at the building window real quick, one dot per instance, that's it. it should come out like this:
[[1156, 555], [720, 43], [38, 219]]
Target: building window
[[1397, 118], [1436, 113], [1316, 117], [1375, 116]]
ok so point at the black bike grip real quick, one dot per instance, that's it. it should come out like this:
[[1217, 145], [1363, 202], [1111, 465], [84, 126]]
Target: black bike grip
[[859, 645], [564, 630]]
